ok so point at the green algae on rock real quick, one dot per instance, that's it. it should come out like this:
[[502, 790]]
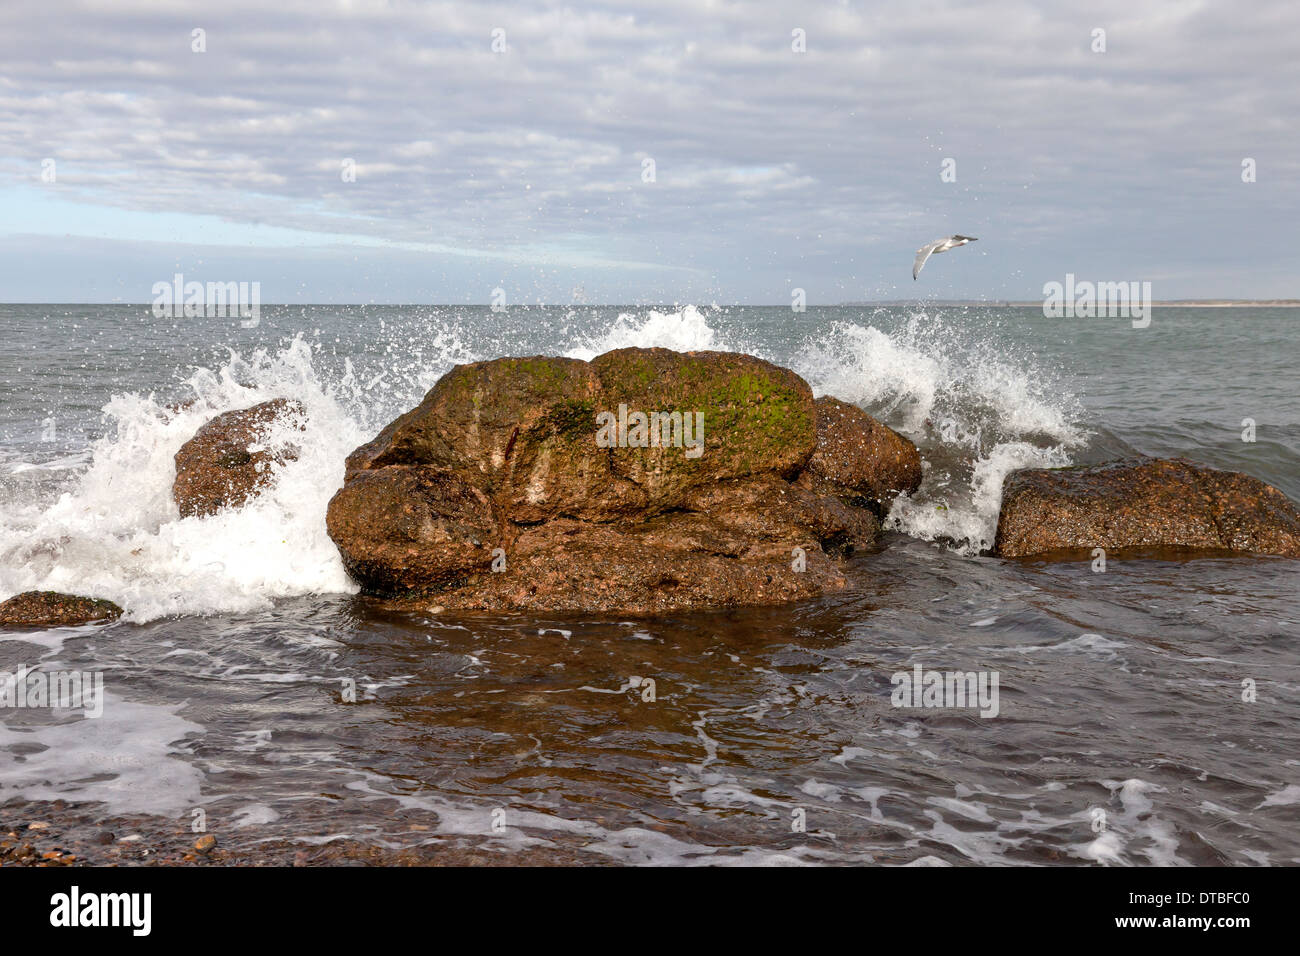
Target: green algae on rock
[[500, 490]]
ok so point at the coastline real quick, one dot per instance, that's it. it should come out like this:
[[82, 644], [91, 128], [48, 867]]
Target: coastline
[[1158, 303]]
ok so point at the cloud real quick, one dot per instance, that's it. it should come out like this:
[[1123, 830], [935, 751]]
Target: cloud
[[818, 168]]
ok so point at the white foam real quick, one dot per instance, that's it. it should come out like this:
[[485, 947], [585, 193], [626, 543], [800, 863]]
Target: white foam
[[119, 535], [977, 414], [1083, 644], [684, 331], [255, 814], [937, 370], [968, 516], [1288, 796], [125, 759], [1136, 829], [1107, 848]]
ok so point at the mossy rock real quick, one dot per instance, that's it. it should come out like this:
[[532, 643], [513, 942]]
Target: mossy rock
[[522, 430], [757, 418], [216, 468], [519, 454]]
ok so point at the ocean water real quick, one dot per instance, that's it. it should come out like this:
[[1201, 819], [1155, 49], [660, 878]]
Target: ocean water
[[1122, 735]]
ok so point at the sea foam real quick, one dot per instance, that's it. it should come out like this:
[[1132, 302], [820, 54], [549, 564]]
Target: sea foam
[[118, 534], [975, 412]]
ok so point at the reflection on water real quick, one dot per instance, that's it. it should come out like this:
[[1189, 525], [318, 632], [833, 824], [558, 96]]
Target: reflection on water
[[748, 736], [745, 736]]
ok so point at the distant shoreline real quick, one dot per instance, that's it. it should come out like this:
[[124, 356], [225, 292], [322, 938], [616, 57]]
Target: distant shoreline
[[1159, 303]]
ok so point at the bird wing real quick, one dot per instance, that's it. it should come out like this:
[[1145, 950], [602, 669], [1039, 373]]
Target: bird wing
[[921, 255]]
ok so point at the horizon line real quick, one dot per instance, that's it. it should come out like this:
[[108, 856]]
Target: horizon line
[[1007, 303]]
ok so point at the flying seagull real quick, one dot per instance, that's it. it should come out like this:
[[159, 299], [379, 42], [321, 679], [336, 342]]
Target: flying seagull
[[939, 245]]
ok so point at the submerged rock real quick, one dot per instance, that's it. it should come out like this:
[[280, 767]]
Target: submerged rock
[[1143, 503], [33, 609], [228, 461], [644, 481]]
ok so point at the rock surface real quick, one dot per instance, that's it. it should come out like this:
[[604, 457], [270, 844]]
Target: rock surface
[[1143, 503], [860, 459], [531, 483], [33, 609], [228, 460]]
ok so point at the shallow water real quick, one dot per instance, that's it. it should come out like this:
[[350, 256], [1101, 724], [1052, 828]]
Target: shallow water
[[1121, 734]]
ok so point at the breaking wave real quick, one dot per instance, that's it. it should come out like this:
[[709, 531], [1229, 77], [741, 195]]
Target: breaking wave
[[975, 411], [117, 534]]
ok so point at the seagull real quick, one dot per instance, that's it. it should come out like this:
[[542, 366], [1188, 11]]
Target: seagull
[[939, 245]]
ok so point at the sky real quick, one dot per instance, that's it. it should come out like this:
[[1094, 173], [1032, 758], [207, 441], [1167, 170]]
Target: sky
[[668, 152]]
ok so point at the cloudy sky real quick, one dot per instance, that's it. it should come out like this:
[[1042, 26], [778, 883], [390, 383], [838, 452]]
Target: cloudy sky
[[528, 169]]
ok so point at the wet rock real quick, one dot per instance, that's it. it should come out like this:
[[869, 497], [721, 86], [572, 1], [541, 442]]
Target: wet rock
[[655, 567], [403, 527], [229, 460], [206, 843], [1140, 503], [51, 609], [860, 459], [757, 418], [517, 429], [645, 481], [766, 507]]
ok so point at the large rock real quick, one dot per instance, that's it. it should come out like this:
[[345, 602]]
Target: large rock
[[520, 430], [411, 527], [1143, 503], [36, 609], [228, 461], [758, 418], [669, 563], [532, 483], [859, 458]]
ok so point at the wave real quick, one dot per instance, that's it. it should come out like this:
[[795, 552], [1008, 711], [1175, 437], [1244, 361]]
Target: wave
[[684, 331], [118, 533], [976, 408], [976, 411]]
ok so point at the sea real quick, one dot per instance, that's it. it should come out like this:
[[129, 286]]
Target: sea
[[1148, 709]]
